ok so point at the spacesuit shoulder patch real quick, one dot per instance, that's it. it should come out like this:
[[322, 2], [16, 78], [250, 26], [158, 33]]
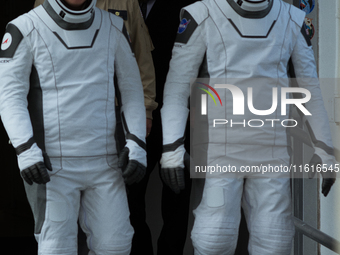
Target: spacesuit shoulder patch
[[304, 33], [120, 13], [186, 28], [10, 41]]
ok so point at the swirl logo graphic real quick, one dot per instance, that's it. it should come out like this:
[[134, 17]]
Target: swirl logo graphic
[[204, 97]]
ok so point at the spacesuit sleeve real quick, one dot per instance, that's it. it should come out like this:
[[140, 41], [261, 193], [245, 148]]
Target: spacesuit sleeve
[[15, 68], [187, 56], [131, 92], [306, 74]]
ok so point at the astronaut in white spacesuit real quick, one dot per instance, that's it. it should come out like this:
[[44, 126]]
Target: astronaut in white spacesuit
[[242, 41], [57, 94]]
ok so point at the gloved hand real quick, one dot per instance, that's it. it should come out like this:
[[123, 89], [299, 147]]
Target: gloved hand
[[172, 168], [37, 173], [33, 163], [133, 165], [325, 164]]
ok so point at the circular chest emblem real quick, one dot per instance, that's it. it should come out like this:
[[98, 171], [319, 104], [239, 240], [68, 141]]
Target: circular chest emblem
[[6, 41]]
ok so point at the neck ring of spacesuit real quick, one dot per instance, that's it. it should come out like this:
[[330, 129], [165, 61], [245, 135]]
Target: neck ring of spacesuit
[[251, 8], [253, 5], [73, 16]]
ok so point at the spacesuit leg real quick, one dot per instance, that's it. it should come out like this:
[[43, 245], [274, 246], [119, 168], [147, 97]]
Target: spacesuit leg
[[267, 206], [104, 212], [55, 207], [217, 217]]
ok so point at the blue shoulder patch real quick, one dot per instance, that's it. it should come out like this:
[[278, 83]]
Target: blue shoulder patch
[[186, 28]]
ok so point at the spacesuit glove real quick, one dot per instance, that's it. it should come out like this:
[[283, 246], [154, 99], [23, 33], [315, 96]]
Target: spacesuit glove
[[325, 164], [36, 173], [33, 165], [172, 169], [133, 165]]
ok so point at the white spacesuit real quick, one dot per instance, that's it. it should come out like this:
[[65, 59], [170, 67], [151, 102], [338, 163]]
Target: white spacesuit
[[243, 42], [57, 95]]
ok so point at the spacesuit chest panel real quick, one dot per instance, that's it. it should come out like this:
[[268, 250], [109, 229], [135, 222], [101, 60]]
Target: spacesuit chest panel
[[250, 27], [72, 38], [77, 83], [251, 47], [70, 55], [249, 58]]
